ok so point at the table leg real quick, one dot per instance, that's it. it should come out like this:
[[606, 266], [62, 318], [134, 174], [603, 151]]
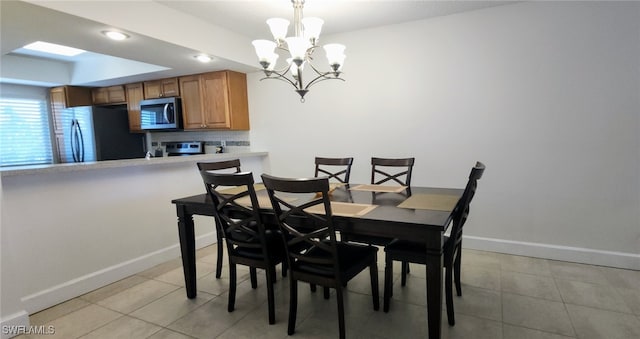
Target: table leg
[[434, 293], [188, 249]]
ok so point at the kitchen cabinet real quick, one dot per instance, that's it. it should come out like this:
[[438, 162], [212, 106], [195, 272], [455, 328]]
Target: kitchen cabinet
[[135, 93], [64, 97], [215, 100], [161, 88], [108, 95]]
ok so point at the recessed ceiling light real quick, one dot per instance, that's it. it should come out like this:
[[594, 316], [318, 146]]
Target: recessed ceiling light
[[48, 47], [114, 35], [203, 58]]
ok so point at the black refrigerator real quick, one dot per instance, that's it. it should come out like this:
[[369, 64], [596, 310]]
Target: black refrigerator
[[101, 133]]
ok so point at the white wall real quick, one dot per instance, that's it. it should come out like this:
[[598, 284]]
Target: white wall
[[546, 94], [67, 233]]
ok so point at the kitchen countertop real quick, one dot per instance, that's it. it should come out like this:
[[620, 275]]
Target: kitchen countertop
[[71, 167]]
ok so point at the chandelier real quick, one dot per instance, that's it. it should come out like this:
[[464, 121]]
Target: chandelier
[[301, 48]]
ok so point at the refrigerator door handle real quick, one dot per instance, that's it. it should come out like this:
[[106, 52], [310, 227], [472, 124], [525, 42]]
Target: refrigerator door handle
[[81, 145], [77, 141], [74, 143]]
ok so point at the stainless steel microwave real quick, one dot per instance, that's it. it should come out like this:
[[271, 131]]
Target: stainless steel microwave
[[161, 114]]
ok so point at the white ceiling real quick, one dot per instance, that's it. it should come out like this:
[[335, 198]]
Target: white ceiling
[[142, 57]]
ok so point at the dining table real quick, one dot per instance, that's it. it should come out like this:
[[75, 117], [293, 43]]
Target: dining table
[[419, 214]]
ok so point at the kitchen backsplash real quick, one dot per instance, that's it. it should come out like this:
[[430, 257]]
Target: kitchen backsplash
[[234, 141]]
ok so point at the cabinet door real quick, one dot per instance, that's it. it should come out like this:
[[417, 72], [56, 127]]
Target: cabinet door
[[152, 89], [116, 94], [100, 96], [75, 96], [134, 95], [191, 102], [170, 87], [215, 100]]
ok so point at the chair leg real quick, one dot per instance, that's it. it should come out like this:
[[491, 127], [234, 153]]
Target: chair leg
[[373, 272], [403, 277], [293, 305], [271, 274], [449, 296], [254, 277], [388, 283], [339, 297], [232, 286], [326, 292], [220, 251], [456, 268], [285, 268]]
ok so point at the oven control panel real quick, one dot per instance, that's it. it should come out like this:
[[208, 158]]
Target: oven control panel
[[184, 148]]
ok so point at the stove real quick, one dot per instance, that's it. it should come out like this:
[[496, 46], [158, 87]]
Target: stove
[[184, 148]]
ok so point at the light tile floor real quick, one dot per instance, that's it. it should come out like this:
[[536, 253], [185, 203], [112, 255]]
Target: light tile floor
[[504, 296]]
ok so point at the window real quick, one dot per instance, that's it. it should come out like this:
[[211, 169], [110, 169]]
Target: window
[[25, 137]]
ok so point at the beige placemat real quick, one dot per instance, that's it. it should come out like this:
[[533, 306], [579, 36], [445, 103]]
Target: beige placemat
[[379, 188], [240, 189], [344, 209], [438, 202], [263, 201]]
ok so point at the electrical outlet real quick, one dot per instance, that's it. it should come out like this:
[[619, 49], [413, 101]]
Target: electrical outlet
[[223, 143]]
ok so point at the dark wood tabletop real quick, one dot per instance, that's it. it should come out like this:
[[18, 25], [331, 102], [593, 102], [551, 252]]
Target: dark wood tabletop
[[385, 220]]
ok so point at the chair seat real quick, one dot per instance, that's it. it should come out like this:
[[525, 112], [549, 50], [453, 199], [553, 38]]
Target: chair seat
[[351, 260], [275, 248]]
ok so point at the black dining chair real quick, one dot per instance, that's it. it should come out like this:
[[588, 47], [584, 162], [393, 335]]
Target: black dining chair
[[248, 242], [385, 171], [407, 251], [335, 168], [314, 254], [232, 166]]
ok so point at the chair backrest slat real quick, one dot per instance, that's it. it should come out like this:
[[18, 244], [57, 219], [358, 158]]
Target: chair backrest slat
[[310, 238], [461, 211], [327, 166], [380, 168], [220, 165], [240, 222]]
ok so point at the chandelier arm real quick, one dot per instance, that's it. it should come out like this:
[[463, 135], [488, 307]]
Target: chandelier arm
[[321, 77], [280, 77], [316, 70]]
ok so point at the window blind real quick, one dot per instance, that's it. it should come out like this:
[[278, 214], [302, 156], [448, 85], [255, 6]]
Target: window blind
[[24, 132]]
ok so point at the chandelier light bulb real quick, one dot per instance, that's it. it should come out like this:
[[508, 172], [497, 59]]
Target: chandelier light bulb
[[264, 49], [312, 28], [335, 53], [298, 48], [278, 27]]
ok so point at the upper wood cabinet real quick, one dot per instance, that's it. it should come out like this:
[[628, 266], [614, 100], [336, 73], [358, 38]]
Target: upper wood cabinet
[[72, 96], [161, 88], [135, 93], [215, 100], [109, 95]]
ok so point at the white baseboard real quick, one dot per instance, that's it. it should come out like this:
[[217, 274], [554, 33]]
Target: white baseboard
[[11, 322], [81, 285], [546, 251]]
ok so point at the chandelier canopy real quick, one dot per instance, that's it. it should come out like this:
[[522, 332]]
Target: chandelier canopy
[[300, 48]]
